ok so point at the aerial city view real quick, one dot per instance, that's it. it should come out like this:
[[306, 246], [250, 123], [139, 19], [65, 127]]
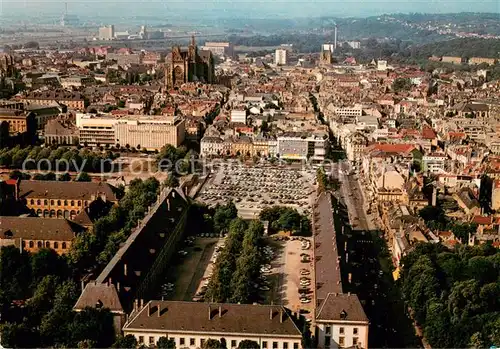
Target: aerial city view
[[249, 175]]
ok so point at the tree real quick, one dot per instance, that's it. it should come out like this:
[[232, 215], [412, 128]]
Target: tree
[[211, 344], [18, 336], [401, 84], [171, 181], [83, 177], [128, 341], [93, 324], [65, 177], [165, 343], [121, 104], [248, 344]]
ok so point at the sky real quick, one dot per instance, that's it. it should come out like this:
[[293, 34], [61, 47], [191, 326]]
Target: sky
[[245, 8]]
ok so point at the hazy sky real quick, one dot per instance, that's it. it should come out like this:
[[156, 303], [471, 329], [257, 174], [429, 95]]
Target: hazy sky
[[245, 8]]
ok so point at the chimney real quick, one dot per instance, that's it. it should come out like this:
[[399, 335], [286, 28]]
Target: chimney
[[270, 313], [281, 315], [209, 312], [220, 311], [136, 304], [149, 308], [159, 309], [82, 285], [335, 38], [118, 286]]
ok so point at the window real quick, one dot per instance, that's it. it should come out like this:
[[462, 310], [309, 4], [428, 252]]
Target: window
[[45, 202], [355, 330], [38, 202], [151, 340], [341, 341], [39, 244], [56, 244], [233, 343], [341, 330], [32, 244], [182, 341], [32, 201], [24, 243], [52, 202], [328, 329], [285, 345], [64, 245], [275, 345], [141, 339], [328, 341], [295, 345], [202, 341], [65, 202], [192, 341], [264, 344], [58, 202], [47, 244], [355, 341]]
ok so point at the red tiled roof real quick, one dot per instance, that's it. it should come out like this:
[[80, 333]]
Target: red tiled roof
[[428, 133], [393, 148], [481, 220]]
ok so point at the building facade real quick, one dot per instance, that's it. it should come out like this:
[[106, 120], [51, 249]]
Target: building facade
[[150, 134], [107, 32], [189, 66], [56, 199], [35, 233], [341, 322], [191, 324], [221, 49], [280, 57]]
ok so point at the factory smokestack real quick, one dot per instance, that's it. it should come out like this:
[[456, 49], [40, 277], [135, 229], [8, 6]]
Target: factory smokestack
[[335, 38]]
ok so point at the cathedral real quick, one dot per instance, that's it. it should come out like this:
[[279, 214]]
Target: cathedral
[[189, 66]]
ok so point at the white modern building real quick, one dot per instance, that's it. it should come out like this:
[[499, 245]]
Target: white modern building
[[191, 324], [300, 146], [150, 132], [239, 115], [280, 57]]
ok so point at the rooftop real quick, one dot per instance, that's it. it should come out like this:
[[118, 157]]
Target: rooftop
[[65, 190], [226, 318]]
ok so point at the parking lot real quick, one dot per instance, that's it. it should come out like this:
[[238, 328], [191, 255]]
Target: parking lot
[[254, 188], [183, 279], [291, 278]]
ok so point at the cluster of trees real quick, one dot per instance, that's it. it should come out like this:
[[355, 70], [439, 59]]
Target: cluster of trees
[[237, 269], [175, 160], [401, 84], [50, 176], [461, 47], [454, 295], [325, 182], [435, 219], [282, 218], [47, 318], [59, 159], [110, 231]]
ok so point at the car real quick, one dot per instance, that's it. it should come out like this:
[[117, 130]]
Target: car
[[305, 272], [305, 300], [182, 253], [264, 288], [304, 278]]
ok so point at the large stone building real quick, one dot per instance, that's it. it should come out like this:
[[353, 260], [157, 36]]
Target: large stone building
[[35, 233], [191, 324], [189, 66], [56, 199], [149, 132]]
